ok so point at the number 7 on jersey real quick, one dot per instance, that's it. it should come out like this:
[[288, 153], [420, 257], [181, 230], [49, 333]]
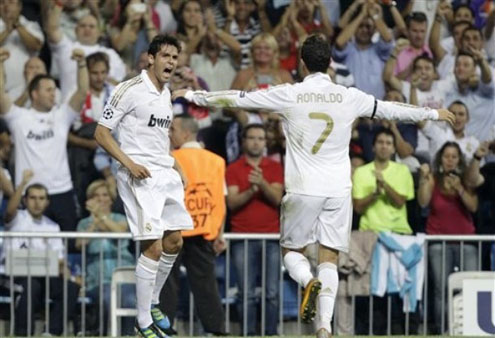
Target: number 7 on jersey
[[326, 132]]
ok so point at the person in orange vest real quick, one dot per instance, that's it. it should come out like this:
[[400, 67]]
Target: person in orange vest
[[205, 201]]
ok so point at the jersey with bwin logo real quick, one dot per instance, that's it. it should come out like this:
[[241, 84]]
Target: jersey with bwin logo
[[142, 116]]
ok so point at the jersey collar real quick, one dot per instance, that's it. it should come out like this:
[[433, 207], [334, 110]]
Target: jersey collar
[[318, 75], [147, 81]]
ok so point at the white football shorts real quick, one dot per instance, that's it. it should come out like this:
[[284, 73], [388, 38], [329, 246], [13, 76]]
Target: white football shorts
[[155, 204], [312, 219]]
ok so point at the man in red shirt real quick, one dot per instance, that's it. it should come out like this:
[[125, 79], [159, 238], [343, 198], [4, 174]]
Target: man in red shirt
[[255, 188]]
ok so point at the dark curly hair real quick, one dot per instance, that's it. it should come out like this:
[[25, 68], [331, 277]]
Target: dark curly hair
[[315, 53]]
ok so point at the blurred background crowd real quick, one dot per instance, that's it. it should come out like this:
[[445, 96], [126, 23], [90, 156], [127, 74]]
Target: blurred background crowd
[[408, 178]]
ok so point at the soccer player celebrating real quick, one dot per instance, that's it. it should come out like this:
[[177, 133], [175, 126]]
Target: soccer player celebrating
[[149, 182], [317, 208]]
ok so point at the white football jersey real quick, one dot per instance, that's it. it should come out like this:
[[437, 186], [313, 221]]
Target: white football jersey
[[318, 116], [40, 140], [142, 116]]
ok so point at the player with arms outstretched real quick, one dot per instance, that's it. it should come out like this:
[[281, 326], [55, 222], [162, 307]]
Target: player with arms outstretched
[[148, 180], [317, 120]]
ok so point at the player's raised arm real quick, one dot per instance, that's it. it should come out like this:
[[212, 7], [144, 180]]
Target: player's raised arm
[[275, 98]]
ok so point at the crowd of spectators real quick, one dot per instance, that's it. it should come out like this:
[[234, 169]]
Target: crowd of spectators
[[58, 69]]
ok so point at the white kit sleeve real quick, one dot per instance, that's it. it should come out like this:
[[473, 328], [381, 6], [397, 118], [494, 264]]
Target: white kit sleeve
[[275, 98]]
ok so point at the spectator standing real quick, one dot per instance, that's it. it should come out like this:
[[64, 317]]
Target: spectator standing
[[205, 202], [32, 219], [381, 189], [364, 58], [82, 144], [132, 30], [451, 204], [255, 188], [478, 98], [456, 133], [21, 37], [241, 24], [87, 33], [40, 134], [34, 66], [416, 30]]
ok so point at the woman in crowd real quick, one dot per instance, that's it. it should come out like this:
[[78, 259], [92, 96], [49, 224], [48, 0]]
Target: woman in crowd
[[131, 30], [99, 203], [451, 204], [263, 73]]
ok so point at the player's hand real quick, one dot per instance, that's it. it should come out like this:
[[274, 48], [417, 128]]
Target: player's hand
[[4, 54], [179, 93], [446, 115], [138, 171]]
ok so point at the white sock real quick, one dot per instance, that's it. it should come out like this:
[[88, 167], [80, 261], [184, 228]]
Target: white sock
[[146, 271], [329, 278], [166, 264], [299, 268]]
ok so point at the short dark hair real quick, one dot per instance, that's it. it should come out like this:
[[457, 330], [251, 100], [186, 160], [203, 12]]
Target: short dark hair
[[315, 53], [464, 53], [424, 57], [472, 28], [460, 103], [416, 17], [460, 23], [37, 186], [188, 122], [252, 126], [383, 131], [91, 59], [35, 82], [404, 99], [160, 40]]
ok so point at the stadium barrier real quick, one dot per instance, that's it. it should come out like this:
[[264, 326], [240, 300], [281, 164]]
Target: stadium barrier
[[289, 293]]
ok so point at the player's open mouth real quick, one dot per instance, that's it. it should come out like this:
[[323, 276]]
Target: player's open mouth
[[168, 70]]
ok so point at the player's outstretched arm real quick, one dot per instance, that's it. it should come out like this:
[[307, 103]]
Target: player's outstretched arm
[[105, 139], [275, 99], [407, 112]]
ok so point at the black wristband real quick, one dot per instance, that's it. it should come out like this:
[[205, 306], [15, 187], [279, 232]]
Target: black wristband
[[476, 157]]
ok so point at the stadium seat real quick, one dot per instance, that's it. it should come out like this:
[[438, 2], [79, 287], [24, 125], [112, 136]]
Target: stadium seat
[[122, 275]]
